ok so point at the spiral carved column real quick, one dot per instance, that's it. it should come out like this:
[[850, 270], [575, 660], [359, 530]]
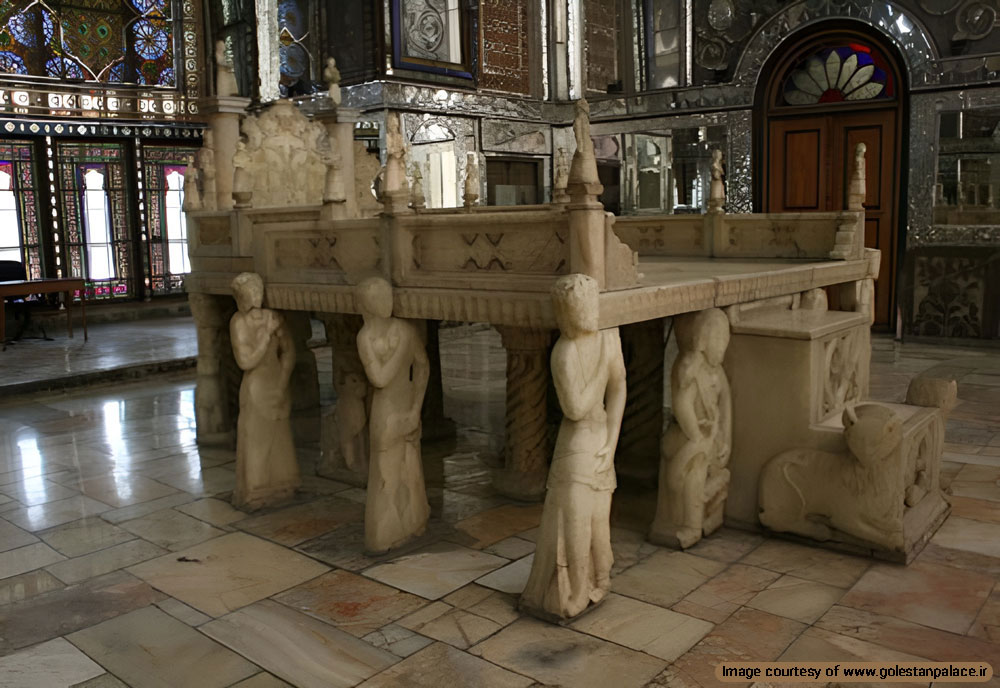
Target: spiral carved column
[[528, 446]]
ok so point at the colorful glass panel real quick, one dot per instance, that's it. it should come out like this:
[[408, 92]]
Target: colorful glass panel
[[111, 41], [844, 73], [73, 160], [158, 162], [19, 156]]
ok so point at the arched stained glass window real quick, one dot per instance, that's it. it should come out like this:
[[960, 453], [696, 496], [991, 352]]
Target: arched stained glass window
[[111, 41], [841, 73]]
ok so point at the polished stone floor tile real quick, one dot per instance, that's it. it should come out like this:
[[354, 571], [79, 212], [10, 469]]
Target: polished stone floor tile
[[400, 641], [811, 563], [726, 545], [49, 665], [978, 482], [144, 509], [643, 627], [171, 529], [442, 665], [929, 594], [970, 535], [43, 516], [974, 509], [456, 627], [907, 636], [182, 612], [27, 558], [296, 524], [150, 648], [665, 577], [342, 547], [84, 536], [436, 570], [746, 636], [484, 602], [796, 598], [493, 525], [102, 681], [351, 602], [511, 578], [818, 645], [46, 616], [511, 548], [214, 511], [205, 483], [118, 490], [104, 561], [298, 648], [17, 588], [37, 491], [722, 595], [987, 623], [557, 655], [262, 680], [12, 537], [227, 573]]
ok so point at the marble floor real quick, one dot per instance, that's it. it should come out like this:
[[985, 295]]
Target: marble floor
[[28, 364], [122, 562]]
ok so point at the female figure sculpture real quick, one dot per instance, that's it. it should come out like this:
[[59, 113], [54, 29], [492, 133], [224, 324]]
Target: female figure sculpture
[[394, 359], [266, 469], [694, 479], [572, 566]]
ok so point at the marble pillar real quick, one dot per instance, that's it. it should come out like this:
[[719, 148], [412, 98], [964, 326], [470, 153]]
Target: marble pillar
[[224, 114], [638, 454], [527, 445], [586, 213], [215, 404]]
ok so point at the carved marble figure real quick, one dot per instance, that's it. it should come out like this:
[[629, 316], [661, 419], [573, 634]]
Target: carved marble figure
[[717, 190], [242, 176], [471, 186], [225, 78], [206, 170], [192, 195], [583, 168], [331, 75], [573, 558], [694, 478], [266, 468], [817, 493], [560, 177], [351, 418], [394, 359], [395, 150], [417, 200]]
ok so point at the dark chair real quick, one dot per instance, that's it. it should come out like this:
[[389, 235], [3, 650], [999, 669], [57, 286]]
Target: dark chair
[[14, 271]]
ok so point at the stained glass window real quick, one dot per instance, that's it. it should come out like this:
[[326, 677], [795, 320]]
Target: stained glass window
[[852, 72], [234, 23], [294, 41], [111, 41], [663, 38], [166, 229], [95, 218], [19, 235]]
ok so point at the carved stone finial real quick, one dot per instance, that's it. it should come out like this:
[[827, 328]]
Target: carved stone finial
[[225, 78], [583, 170], [560, 177], [471, 187], [857, 191], [192, 195], [242, 177], [717, 191], [331, 75], [417, 200]]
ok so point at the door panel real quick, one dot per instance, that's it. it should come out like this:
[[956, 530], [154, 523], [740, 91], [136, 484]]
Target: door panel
[[809, 165]]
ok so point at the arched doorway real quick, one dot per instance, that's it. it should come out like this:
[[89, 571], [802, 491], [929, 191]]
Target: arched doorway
[[818, 97]]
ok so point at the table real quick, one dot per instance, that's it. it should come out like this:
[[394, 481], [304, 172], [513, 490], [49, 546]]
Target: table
[[45, 286]]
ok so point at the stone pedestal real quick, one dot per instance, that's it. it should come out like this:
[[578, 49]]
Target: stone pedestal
[[528, 448], [224, 114], [345, 441], [339, 125], [638, 453], [215, 396], [586, 231]]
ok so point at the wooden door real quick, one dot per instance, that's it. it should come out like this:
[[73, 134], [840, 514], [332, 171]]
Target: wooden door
[[809, 165]]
